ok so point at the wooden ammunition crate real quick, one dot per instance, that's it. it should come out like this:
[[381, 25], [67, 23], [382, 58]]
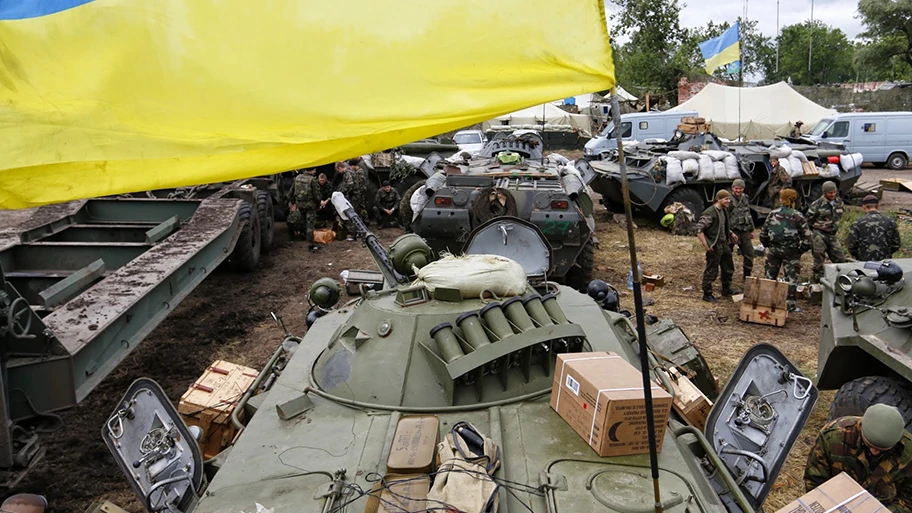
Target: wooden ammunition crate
[[210, 401], [689, 401], [810, 168], [765, 301]]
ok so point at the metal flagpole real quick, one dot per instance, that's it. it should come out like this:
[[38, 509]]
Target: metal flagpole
[[777, 37], [811, 40], [638, 308]]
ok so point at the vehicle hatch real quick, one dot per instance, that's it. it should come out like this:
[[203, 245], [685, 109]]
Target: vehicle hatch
[[758, 417], [515, 239], [154, 448]]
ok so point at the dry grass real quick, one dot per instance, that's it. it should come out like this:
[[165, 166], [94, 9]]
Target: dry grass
[[715, 329]]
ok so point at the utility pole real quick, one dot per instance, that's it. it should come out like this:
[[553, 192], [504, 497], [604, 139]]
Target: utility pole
[[777, 38], [811, 42]]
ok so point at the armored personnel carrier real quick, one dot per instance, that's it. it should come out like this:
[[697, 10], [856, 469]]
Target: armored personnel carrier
[[456, 363], [865, 336], [652, 188], [509, 181]]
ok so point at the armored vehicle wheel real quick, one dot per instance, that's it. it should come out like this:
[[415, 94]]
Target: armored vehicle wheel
[[897, 161], [372, 187], [267, 222], [686, 196], [854, 397], [246, 254], [579, 276], [405, 207]]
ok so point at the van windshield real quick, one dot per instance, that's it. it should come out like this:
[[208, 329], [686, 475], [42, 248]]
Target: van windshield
[[468, 138], [820, 127], [608, 129]]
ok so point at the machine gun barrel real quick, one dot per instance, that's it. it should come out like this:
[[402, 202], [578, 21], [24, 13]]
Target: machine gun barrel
[[348, 213]]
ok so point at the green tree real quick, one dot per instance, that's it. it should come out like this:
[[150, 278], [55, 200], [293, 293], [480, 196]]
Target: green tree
[[831, 54], [886, 51], [647, 60]]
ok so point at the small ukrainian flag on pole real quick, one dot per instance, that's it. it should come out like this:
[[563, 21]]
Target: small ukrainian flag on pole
[[722, 50]]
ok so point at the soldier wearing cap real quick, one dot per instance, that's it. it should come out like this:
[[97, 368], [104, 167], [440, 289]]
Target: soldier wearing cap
[[779, 179], [742, 224], [786, 236], [875, 450], [714, 232], [823, 217], [386, 206], [873, 236]]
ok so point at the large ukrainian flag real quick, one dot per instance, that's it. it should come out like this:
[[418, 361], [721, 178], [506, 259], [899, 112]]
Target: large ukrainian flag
[[722, 50], [102, 97]]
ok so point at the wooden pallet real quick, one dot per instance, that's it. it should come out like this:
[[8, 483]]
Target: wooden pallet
[[764, 302], [897, 184]]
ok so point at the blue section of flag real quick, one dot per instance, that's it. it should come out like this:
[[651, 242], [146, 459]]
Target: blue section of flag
[[733, 68], [716, 45], [22, 9]]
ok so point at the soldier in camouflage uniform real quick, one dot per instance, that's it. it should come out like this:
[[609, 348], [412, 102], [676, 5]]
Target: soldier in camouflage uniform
[[359, 201], [386, 205], [322, 192], [873, 236], [715, 234], [779, 179], [348, 187], [742, 224], [786, 236], [303, 210], [823, 217], [874, 450]]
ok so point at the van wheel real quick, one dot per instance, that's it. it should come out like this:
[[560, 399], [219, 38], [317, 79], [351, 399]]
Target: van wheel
[[897, 161], [854, 397], [687, 197]]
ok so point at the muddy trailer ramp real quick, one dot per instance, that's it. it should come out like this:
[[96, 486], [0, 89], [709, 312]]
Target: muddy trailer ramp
[[83, 283]]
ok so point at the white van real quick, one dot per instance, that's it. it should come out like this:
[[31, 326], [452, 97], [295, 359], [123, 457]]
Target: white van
[[881, 137], [636, 127]]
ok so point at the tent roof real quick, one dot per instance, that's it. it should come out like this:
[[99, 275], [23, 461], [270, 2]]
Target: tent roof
[[551, 111], [767, 110]]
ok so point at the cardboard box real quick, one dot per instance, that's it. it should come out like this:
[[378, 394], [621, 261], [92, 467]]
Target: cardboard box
[[210, 401], [601, 396], [841, 494], [414, 445], [403, 493], [324, 236]]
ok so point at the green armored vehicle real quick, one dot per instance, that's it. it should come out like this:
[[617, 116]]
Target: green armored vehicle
[[865, 336], [509, 180], [323, 436]]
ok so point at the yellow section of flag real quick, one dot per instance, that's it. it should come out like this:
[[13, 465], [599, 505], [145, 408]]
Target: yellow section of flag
[[116, 96]]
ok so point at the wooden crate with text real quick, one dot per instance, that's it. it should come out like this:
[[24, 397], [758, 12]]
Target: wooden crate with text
[[764, 302]]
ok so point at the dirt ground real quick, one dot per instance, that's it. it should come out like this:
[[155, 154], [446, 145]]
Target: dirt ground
[[227, 317]]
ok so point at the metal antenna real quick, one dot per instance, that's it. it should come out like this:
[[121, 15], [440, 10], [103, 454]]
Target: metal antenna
[[638, 307]]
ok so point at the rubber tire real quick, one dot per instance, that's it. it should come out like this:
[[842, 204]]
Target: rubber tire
[[815, 192], [405, 206], [854, 397], [688, 197], [406, 183], [267, 220], [579, 276], [897, 161], [246, 254], [372, 187]]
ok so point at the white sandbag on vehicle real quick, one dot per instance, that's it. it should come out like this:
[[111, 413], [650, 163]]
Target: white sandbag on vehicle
[[691, 167], [716, 155], [418, 200], [798, 154], [472, 274], [719, 171], [674, 172], [732, 171], [794, 165], [780, 152], [683, 155], [850, 161], [707, 172], [831, 171], [784, 163]]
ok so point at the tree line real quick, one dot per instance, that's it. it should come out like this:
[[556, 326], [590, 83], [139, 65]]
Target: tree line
[[659, 51]]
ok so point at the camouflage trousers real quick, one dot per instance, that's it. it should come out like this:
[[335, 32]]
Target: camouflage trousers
[[302, 222], [746, 245], [719, 258], [825, 245], [383, 219], [791, 270]]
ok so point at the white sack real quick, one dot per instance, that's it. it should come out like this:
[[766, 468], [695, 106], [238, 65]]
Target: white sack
[[674, 173], [780, 151], [850, 162], [832, 170], [719, 171], [717, 155], [472, 274], [691, 167], [683, 155], [418, 200], [706, 168], [785, 164], [795, 165], [732, 170], [799, 155]]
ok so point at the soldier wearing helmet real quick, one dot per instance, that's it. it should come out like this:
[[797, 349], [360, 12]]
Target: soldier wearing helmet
[[875, 450], [823, 217]]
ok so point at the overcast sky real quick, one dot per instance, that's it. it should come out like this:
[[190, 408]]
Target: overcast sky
[[836, 13]]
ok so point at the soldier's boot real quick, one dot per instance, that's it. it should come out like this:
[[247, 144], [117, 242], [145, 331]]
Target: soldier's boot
[[709, 298], [730, 292], [792, 304]]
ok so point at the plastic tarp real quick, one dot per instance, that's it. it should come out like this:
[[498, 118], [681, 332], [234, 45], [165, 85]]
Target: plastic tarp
[[552, 115], [764, 112], [102, 97]]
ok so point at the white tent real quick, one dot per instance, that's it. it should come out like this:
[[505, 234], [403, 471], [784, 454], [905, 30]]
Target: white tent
[[531, 117], [754, 112]]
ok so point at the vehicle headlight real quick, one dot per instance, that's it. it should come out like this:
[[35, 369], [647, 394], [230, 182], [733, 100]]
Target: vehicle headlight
[[587, 151]]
